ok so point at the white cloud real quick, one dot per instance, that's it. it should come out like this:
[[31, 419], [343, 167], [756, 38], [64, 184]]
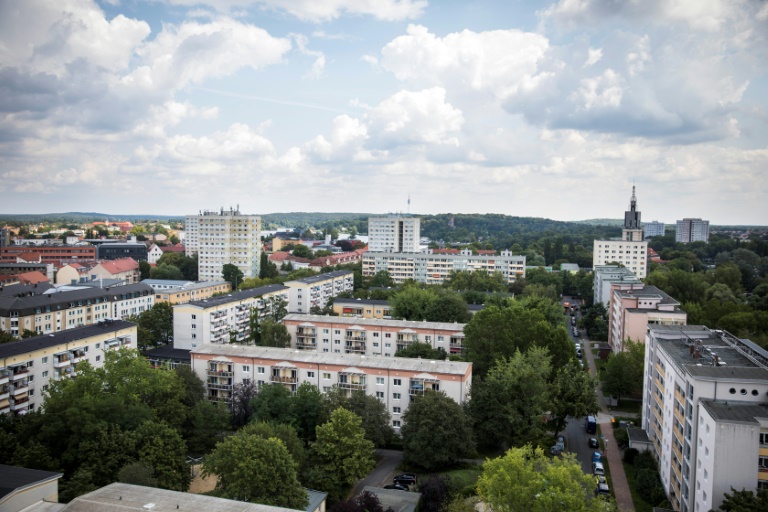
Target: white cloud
[[323, 10]]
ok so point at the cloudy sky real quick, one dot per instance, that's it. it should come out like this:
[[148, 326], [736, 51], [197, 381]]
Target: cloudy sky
[[546, 109]]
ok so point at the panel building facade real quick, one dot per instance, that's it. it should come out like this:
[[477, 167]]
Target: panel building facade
[[221, 237], [396, 381], [394, 234], [630, 250], [692, 230], [704, 411], [316, 291]]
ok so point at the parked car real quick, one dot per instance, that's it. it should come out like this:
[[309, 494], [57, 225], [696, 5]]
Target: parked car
[[396, 487], [405, 479], [593, 442], [600, 479], [578, 353], [597, 457], [577, 346], [603, 490], [597, 469]]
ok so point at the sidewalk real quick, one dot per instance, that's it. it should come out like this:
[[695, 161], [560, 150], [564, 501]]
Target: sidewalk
[[612, 452]]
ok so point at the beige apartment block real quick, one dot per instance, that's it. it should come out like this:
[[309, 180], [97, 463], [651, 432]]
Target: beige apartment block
[[224, 318], [190, 292], [632, 310], [704, 396], [363, 308], [27, 367], [393, 380], [394, 234], [316, 291], [370, 336]]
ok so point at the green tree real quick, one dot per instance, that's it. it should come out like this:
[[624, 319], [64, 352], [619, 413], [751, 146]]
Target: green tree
[[381, 279], [250, 468], [624, 371], [267, 269], [436, 432], [137, 473], [447, 306], [572, 393], [272, 404], [480, 281], [302, 251], [411, 303], [307, 404], [744, 501], [207, 424], [508, 405], [374, 416], [145, 269], [285, 433], [161, 447], [273, 334], [341, 454], [232, 274], [165, 271], [422, 351], [155, 325], [527, 480]]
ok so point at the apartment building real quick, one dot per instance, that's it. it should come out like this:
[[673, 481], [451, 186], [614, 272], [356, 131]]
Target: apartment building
[[363, 308], [316, 291], [609, 277], [119, 251], [224, 237], [47, 310], [691, 230], [181, 292], [704, 410], [225, 318], [630, 250], [124, 269], [651, 229], [633, 309], [393, 380], [370, 336], [394, 234], [27, 367], [436, 268]]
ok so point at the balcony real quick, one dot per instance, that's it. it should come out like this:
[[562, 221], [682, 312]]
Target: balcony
[[285, 379], [306, 343], [19, 405], [456, 346], [420, 386], [351, 382], [355, 347], [19, 389], [220, 385], [78, 356], [19, 373], [220, 373], [5, 377]]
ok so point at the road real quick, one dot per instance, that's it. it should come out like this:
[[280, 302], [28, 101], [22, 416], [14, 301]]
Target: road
[[387, 463]]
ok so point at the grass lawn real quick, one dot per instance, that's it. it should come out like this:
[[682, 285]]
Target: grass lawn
[[462, 479]]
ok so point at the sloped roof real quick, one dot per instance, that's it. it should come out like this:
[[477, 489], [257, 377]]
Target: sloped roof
[[29, 256], [32, 277], [120, 265]]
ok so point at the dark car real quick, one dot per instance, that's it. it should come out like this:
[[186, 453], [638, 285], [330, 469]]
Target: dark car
[[396, 487], [593, 442], [405, 479]]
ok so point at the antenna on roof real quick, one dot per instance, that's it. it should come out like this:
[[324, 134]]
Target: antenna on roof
[[409, 203]]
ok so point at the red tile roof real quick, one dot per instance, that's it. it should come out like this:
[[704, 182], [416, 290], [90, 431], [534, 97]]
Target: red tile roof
[[279, 256], [172, 248], [8, 279], [33, 277], [33, 257], [121, 265]]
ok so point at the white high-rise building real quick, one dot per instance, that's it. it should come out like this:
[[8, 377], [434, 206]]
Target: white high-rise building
[[630, 250], [655, 228], [692, 230], [394, 234], [222, 237]]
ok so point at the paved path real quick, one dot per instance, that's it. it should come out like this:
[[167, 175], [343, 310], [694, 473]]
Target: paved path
[[612, 452], [386, 464]]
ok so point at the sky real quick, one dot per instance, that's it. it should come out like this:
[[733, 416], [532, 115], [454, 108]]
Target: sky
[[548, 109]]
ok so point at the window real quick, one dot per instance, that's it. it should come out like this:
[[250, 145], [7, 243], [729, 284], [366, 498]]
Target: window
[[397, 382], [194, 336], [379, 394], [326, 389], [246, 368], [763, 437], [337, 331], [45, 359], [388, 335], [246, 382], [396, 396], [396, 423], [375, 335], [311, 375], [326, 376], [388, 345], [376, 344], [395, 410], [261, 370], [98, 358], [45, 374], [45, 388], [379, 381], [194, 326], [194, 317]]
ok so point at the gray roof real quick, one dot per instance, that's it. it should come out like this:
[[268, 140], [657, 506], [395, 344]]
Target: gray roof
[[372, 302], [237, 296], [376, 322], [165, 282], [399, 501], [736, 411], [14, 478], [736, 360], [15, 290], [167, 352], [118, 497], [638, 435], [24, 265], [316, 498], [27, 305], [648, 292], [352, 360], [323, 277], [14, 348]]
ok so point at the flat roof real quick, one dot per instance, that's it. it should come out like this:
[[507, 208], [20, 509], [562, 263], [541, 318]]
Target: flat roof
[[15, 477], [371, 302], [735, 358], [352, 360], [119, 497], [732, 411], [648, 291], [323, 277], [169, 353], [236, 296], [377, 322], [53, 297], [638, 435], [15, 348]]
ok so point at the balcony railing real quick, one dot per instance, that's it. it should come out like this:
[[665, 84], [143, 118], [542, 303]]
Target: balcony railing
[[220, 373], [285, 380], [20, 390], [355, 348]]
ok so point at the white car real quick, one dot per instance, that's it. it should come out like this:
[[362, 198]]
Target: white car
[[597, 469], [577, 345]]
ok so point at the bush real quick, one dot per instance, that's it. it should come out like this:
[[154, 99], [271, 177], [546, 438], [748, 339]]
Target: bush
[[622, 437], [630, 454], [644, 460], [649, 486]]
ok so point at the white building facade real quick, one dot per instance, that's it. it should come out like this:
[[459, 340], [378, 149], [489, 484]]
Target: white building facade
[[226, 318], [631, 250], [704, 412], [396, 381], [394, 234], [692, 230], [316, 291], [222, 237], [370, 336], [655, 228], [436, 268]]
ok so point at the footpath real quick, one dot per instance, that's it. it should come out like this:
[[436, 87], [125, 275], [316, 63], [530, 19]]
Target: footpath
[[612, 452]]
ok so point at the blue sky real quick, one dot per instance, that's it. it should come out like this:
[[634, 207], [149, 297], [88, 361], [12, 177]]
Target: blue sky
[[545, 109]]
